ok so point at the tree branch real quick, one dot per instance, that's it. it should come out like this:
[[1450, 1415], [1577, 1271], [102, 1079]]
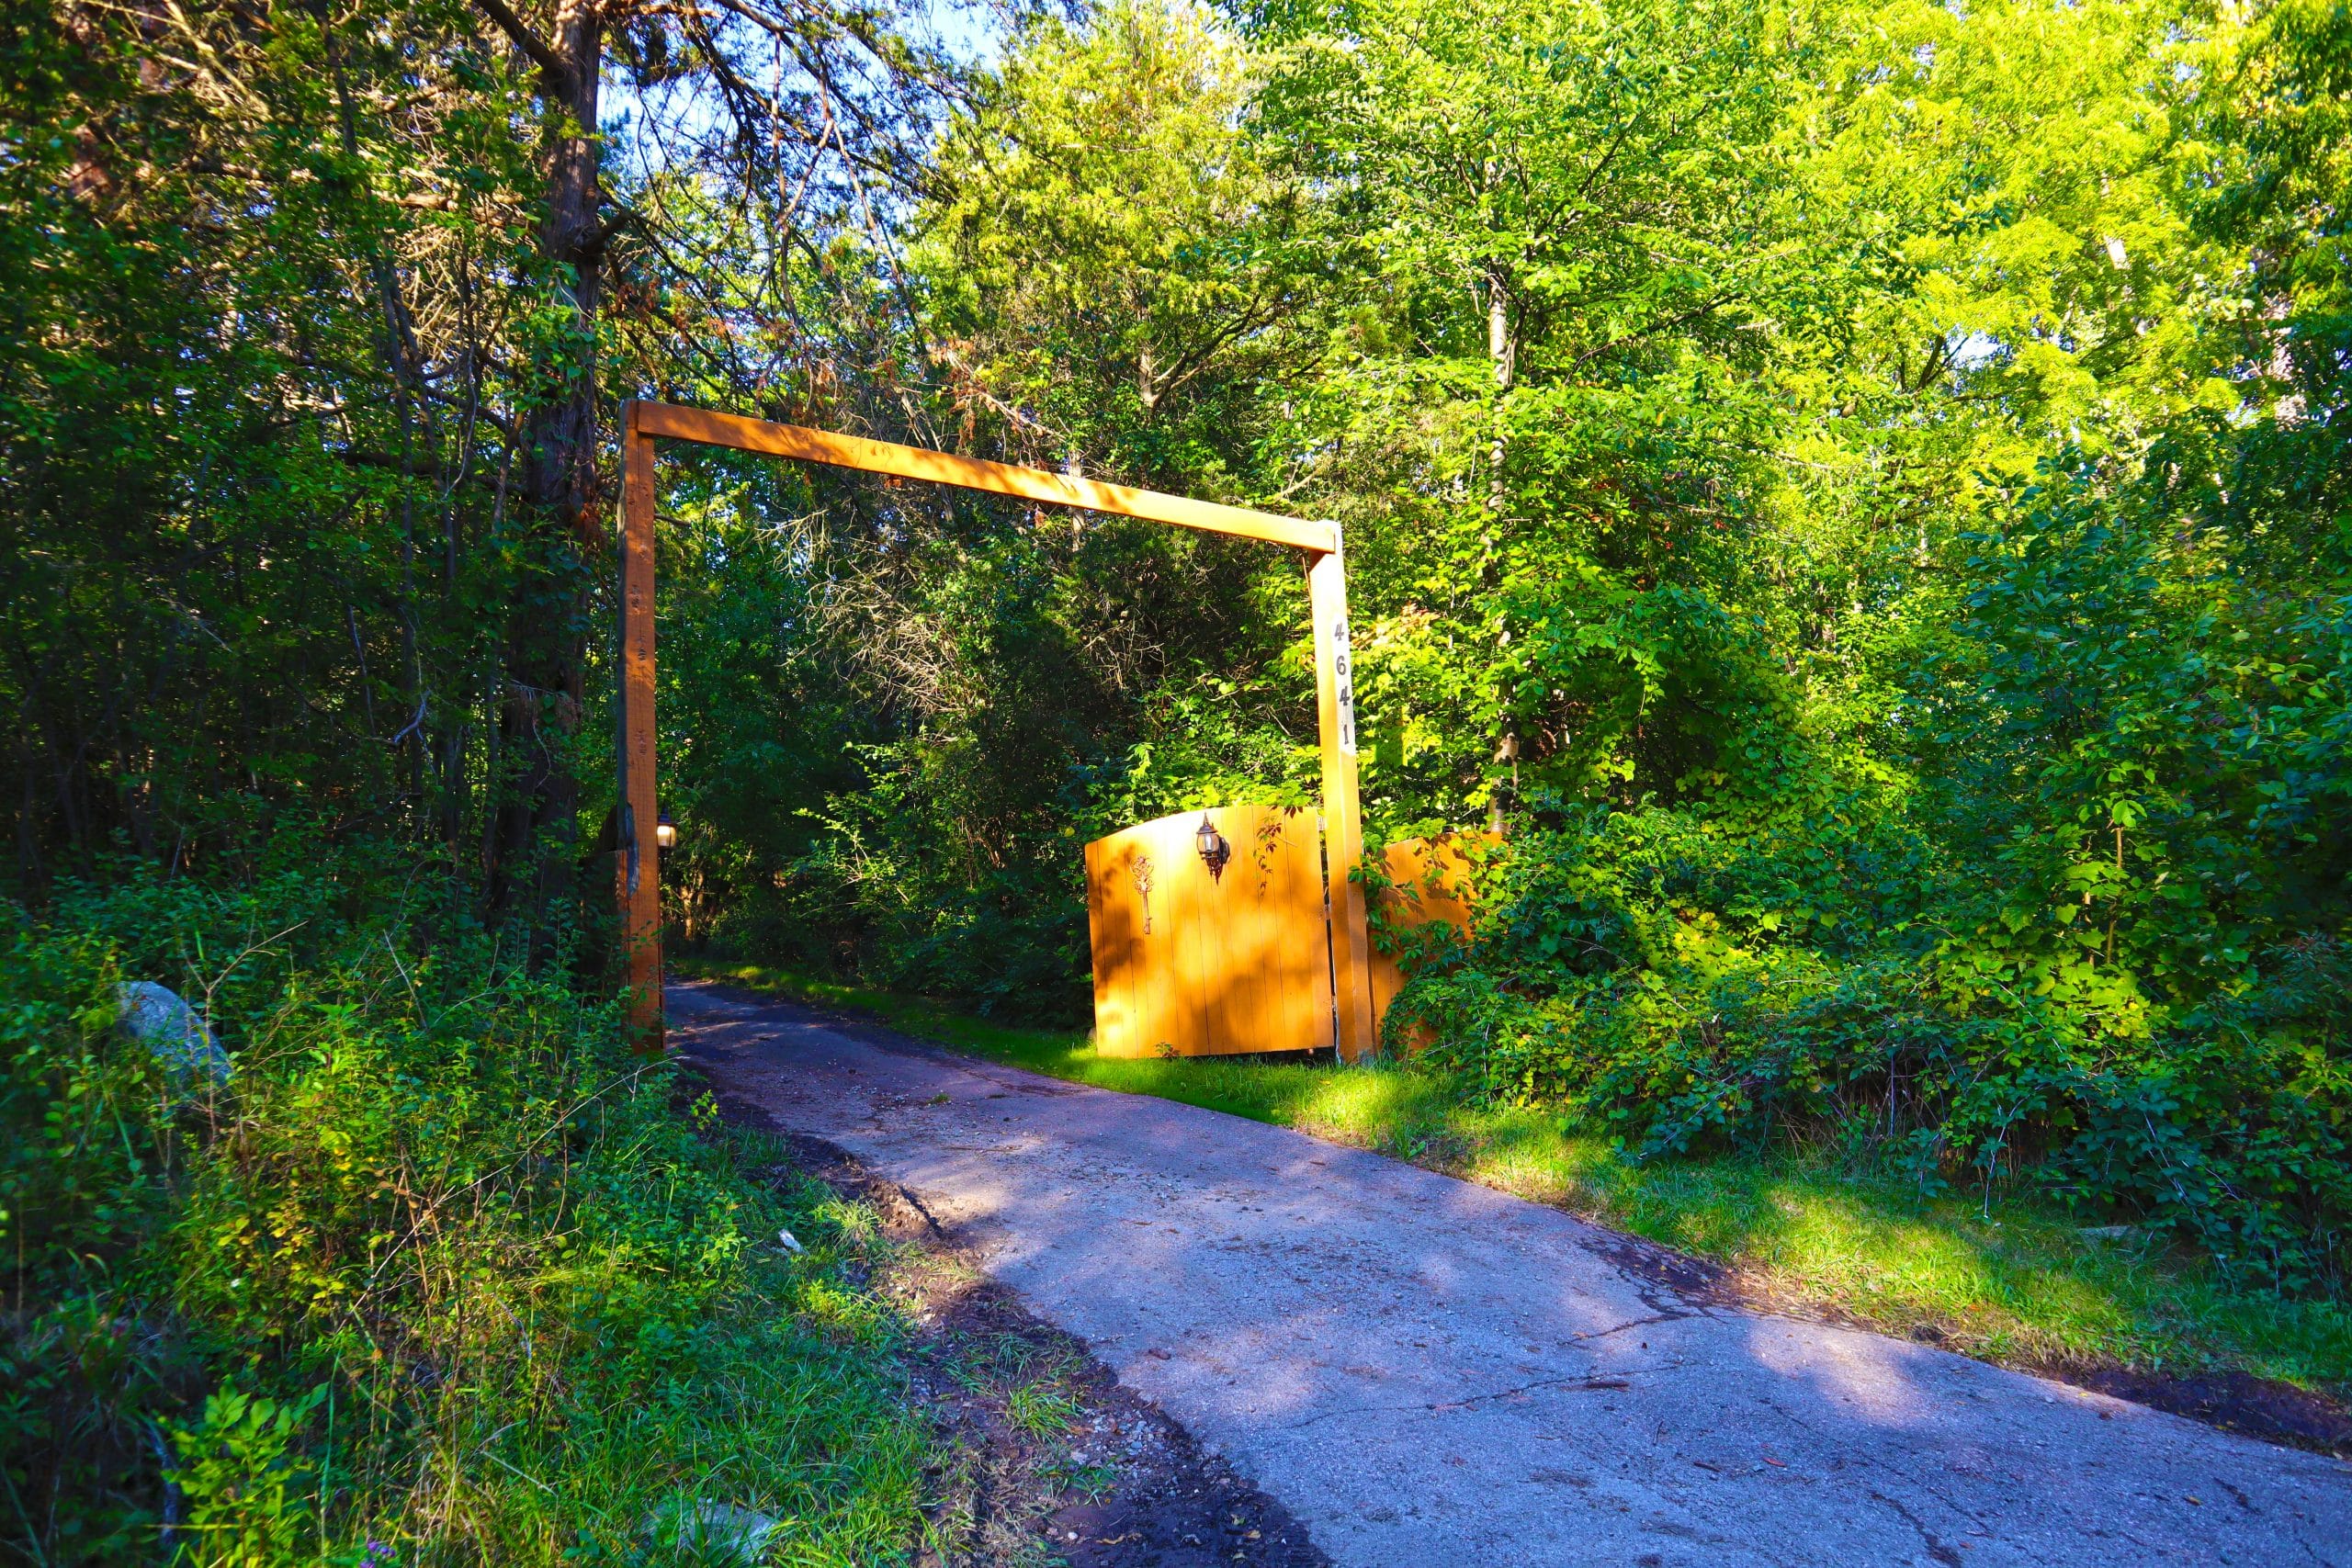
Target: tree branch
[[551, 64]]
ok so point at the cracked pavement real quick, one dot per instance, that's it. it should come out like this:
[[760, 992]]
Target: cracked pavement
[[1426, 1371]]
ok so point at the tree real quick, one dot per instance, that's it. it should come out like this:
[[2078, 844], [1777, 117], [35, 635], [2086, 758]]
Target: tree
[[733, 102], [321, 294], [1571, 253], [1113, 271]]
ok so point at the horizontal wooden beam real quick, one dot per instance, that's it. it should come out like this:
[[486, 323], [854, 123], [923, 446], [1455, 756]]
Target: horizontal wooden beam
[[673, 422]]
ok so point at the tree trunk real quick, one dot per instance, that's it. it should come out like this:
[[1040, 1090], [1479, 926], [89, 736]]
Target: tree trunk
[[531, 867], [1502, 350]]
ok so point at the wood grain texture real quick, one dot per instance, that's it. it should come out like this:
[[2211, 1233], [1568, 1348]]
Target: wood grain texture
[[1191, 964], [973, 473], [1327, 592], [639, 877]]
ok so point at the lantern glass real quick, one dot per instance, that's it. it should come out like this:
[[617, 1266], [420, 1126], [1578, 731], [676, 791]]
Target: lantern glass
[[1214, 850], [665, 832]]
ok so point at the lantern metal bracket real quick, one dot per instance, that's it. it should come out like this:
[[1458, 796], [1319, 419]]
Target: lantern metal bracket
[[1216, 853]]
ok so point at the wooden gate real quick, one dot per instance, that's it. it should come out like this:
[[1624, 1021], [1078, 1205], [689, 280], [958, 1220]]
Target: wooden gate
[[1220, 953], [1194, 958], [637, 883]]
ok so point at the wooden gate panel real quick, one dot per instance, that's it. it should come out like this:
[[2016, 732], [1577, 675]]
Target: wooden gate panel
[[1270, 988], [1190, 963], [1122, 903]]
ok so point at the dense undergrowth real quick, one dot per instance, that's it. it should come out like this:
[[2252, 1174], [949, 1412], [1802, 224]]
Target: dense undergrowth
[[1634, 982], [2090, 940], [441, 1274]]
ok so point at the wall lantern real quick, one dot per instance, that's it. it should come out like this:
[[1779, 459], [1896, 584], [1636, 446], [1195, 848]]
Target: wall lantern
[[1214, 850], [665, 832]]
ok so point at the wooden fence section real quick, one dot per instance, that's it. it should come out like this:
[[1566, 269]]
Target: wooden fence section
[[1195, 962], [1430, 882]]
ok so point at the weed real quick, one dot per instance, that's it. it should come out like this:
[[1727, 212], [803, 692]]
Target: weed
[[439, 1276], [1041, 1409]]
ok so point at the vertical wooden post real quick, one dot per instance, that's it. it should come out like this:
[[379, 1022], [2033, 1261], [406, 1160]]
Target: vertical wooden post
[[1335, 705], [638, 868]]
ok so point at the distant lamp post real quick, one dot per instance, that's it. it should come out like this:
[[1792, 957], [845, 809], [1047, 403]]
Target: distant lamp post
[[1214, 850], [665, 833]]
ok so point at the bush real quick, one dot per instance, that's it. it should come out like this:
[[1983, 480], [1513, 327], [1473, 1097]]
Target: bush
[[440, 1275], [1686, 985]]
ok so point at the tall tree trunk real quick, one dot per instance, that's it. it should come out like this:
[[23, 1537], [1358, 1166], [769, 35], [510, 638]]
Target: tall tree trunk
[[532, 848], [1502, 350]]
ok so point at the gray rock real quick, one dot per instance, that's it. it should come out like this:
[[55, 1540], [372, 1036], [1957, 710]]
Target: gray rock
[[716, 1534], [168, 1027]]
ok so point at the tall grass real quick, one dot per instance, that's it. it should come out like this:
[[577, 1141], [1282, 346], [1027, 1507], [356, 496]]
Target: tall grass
[[442, 1274]]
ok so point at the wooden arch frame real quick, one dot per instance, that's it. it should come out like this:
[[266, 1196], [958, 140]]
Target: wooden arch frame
[[638, 884]]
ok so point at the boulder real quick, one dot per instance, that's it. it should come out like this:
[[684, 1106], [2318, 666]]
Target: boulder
[[156, 1017]]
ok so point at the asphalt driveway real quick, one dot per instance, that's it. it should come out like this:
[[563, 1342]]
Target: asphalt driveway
[[1426, 1371]]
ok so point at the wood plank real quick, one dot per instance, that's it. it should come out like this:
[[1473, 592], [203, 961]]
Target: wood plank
[[1112, 926], [1430, 882], [1239, 964], [1291, 878], [1192, 919], [1244, 957], [1098, 933], [1130, 958], [638, 874], [1160, 1017], [713, 429], [1327, 589], [1276, 984], [1317, 1011]]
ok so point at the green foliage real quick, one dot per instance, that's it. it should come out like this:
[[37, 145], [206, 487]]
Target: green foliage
[[243, 1485], [1856, 493], [1112, 270], [2101, 948], [312, 321], [2149, 749], [438, 1276], [252, 564]]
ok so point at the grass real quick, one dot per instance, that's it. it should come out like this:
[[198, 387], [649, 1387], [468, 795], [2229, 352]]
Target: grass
[[2015, 1281], [442, 1274]]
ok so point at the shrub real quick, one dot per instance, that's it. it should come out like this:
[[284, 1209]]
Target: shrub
[[441, 1269], [1685, 986]]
